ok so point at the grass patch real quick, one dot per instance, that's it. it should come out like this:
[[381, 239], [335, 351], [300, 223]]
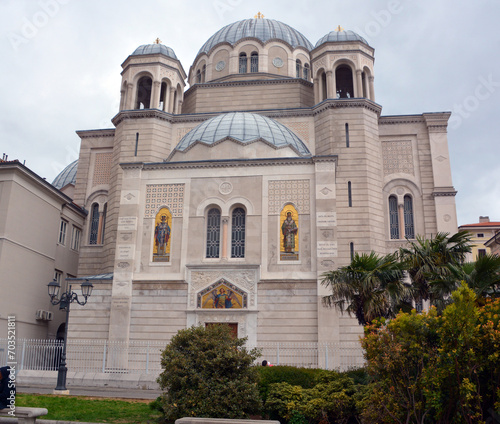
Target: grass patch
[[85, 409]]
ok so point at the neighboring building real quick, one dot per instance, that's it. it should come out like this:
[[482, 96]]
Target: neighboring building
[[227, 202], [483, 240], [494, 244], [40, 236]]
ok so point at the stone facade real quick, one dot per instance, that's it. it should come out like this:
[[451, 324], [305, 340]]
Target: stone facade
[[350, 179]]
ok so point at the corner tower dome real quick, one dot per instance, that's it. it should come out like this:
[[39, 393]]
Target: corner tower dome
[[340, 37], [263, 29], [244, 128], [154, 49]]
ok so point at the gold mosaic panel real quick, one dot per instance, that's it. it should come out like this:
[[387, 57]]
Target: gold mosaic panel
[[158, 195], [102, 169], [289, 191], [398, 157]]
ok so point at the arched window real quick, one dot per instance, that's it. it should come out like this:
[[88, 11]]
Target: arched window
[[94, 224], [213, 233], [363, 84], [238, 233], [393, 217], [306, 71], [254, 62], [298, 69], [243, 63], [344, 82], [144, 86], [408, 217], [163, 96], [198, 76]]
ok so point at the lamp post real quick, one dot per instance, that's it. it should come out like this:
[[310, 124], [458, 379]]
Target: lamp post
[[64, 302]]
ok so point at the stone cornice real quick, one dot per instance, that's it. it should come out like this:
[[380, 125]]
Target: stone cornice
[[444, 191], [141, 114], [227, 163], [401, 119], [246, 83], [347, 103], [129, 63], [109, 132], [339, 52]]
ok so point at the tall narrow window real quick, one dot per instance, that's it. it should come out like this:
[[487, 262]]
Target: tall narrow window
[[238, 234], [363, 83], [203, 73], [213, 233], [408, 216], [351, 248], [144, 87], [198, 76], [94, 224], [254, 62], [75, 239], [346, 135], [393, 217], [298, 68], [306, 71], [324, 92], [62, 232], [349, 194], [243, 63]]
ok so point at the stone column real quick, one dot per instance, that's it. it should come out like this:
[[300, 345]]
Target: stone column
[[171, 100], [155, 95], [372, 89], [225, 225], [316, 90], [129, 104], [401, 216], [329, 85], [359, 84]]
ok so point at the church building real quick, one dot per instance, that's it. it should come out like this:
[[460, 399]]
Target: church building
[[222, 195]]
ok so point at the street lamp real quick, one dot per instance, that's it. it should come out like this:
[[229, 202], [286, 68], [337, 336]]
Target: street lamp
[[66, 299]]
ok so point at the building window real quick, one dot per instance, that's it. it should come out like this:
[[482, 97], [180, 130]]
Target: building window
[[62, 232], [408, 217], [243, 63], [94, 224], [324, 91], [103, 223], [213, 233], [346, 135], [238, 234], [480, 235], [351, 248], [349, 194], [481, 253], [203, 73], [254, 62], [198, 76], [75, 238], [306, 71], [393, 217], [298, 68], [58, 276]]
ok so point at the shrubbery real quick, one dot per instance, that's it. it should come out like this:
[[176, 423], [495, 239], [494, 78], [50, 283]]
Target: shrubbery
[[208, 373]]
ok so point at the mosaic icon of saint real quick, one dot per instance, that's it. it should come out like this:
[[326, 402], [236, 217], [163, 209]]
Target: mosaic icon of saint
[[162, 234], [289, 230]]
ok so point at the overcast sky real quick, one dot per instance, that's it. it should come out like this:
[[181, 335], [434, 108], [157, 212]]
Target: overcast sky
[[60, 69]]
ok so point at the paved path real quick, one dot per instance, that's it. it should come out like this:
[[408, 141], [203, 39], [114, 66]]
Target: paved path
[[105, 392]]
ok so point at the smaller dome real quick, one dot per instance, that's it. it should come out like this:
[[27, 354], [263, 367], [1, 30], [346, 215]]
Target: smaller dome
[[66, 176], [246, 128], [340, 37], [154, 49]]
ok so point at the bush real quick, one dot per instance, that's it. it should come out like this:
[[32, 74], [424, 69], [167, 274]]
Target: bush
[[208, 373], [303, 377]]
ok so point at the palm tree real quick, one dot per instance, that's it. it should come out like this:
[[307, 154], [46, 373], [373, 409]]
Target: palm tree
[[370, 287], [482, 276], [427, 263]]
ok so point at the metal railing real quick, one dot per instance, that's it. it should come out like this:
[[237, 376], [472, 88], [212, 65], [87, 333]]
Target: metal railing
[[143, 357]]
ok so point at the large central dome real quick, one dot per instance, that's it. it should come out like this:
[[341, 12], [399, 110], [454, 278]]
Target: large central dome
[[262, 29]]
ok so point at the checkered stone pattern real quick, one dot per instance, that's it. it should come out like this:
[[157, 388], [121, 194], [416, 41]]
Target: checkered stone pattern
[[398, 157], [300, 128], [159, 195], [102, 169], [289, 191]]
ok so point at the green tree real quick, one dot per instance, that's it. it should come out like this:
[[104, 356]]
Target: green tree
[[208, 373], [427, 263], [370, 287]]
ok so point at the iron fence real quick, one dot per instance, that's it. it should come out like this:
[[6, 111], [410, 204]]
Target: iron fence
[[143, 357]]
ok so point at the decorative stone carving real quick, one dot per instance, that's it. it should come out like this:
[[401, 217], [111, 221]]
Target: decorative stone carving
[[289, 191], [220, 66], [398, 157], [158, 195], [245, 279], [278, 62], [225, 188]]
